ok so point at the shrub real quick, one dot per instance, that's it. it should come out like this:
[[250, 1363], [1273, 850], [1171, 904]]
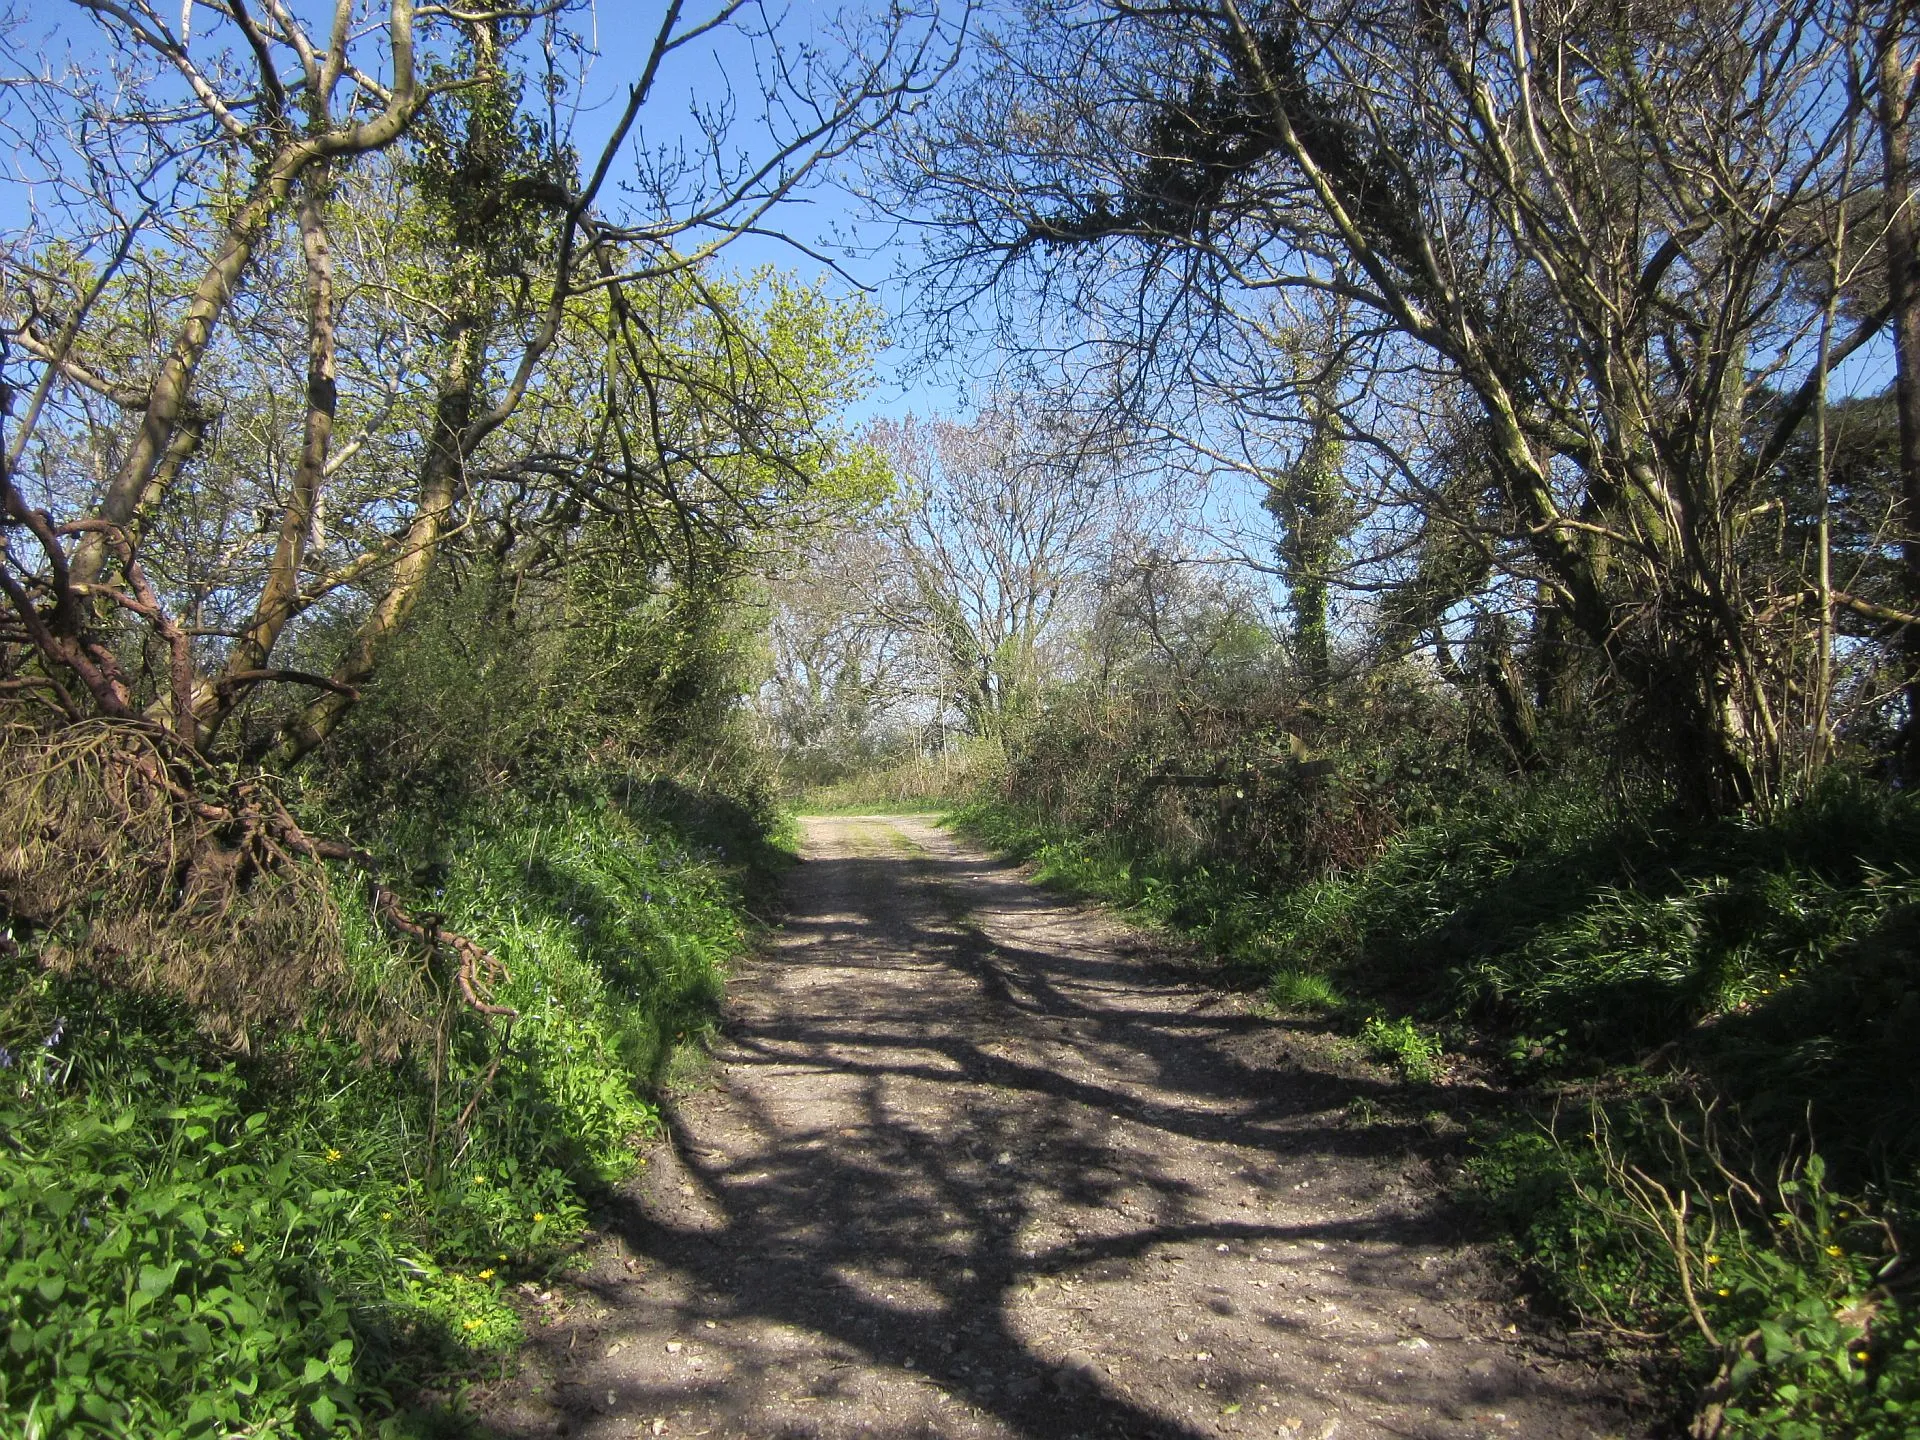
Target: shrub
[[194, 1242], [1411, 1050]]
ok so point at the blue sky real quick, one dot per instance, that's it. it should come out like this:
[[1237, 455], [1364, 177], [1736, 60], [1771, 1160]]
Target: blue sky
[[826, 219]]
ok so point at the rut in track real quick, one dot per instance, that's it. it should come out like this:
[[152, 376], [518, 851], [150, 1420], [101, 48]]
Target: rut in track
[[974, 1162]]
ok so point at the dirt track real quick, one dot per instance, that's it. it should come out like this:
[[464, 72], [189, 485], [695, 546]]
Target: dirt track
[[976, 1163]]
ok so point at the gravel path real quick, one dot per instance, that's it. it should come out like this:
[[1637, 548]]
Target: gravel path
[[975, 1162]]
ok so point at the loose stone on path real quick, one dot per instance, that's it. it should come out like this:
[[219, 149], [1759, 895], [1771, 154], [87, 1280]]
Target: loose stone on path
[[975, 1162]]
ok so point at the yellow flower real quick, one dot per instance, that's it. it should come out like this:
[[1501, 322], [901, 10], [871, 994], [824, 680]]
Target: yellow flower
[[239, 1247], [386, 1215], [1723, 1291], [1713, 1259], [1861, 1356], [333, 1156], [501, 1256], [486, 1274], [538, 1217], [1835, 1250], [469, 1324]]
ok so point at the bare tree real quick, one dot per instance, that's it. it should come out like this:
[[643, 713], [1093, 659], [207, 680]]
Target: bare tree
[[161, 278], [1588, 235], [998, 531], [1186, 624], [298, 310], [1895, 88], [843, 683]]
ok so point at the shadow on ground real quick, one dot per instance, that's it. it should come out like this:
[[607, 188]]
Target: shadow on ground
[[978, 1163]]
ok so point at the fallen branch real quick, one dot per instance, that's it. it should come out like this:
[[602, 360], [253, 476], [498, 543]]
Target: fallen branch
[[473, 957]]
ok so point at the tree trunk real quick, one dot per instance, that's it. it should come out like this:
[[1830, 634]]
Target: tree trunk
[[1903, 294], [440, 473], [280, 597]]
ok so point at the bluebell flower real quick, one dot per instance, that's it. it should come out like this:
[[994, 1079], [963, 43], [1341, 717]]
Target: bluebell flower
[[57, 1033], [6, 1058]]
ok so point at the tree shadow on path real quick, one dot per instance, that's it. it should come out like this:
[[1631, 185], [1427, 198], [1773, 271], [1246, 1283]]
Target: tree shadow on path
[[968, 1146]]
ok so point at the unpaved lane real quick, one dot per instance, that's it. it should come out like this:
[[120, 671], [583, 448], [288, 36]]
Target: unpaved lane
[[976, 1165]]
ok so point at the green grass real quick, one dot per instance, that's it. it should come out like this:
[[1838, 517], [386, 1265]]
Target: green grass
[[1766, 967], [1090, 867], [1306, 991], [912, 805], [194, 1243], [904, 785]]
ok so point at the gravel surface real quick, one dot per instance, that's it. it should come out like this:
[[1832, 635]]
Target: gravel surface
[[976, 1161]]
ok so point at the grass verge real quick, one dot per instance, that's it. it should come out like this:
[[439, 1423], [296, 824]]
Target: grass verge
[[1713, 1151], [309, 1239]]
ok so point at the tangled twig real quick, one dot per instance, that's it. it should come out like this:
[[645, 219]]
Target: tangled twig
[[474, 958], [202, 881]]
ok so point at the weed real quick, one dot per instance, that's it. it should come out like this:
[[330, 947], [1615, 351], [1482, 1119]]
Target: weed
[[1404, 1045], [1534, 1055], [1647, 1231], [1304, 991]]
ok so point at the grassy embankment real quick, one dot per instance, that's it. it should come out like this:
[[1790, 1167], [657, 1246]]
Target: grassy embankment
[[909, 785], [1713, 1151], [308, 1239]]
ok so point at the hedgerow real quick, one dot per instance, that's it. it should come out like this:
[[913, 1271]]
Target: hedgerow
[[297, 1240], [1712, 1156]]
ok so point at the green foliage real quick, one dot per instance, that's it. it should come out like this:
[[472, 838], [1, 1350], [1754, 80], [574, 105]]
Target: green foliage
[[1411, 1050], [614, 932], [174, 1260], [1578, 928], [1304, 990], [1203, 804], [1790, 1311], [1826, 1348], [469, 1310], [194, 1243], [1585, 932], [484, 692]]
